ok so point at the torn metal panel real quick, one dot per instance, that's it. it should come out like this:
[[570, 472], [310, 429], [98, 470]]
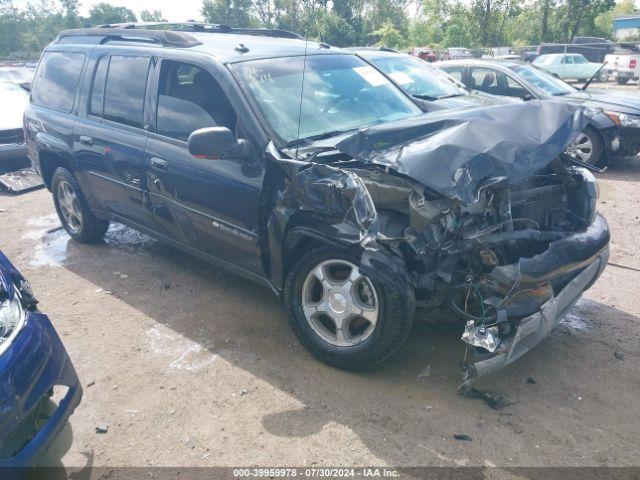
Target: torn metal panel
[[534, 328], [457, 153], [21, 180]]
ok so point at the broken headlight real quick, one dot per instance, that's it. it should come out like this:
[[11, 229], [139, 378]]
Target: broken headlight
[[11, 320], [624, 119]]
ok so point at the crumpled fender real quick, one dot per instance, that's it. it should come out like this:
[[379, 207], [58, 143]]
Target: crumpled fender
[[325, 202], [458, 152]]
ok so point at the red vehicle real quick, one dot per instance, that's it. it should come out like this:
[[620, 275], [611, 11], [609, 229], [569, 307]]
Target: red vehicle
[[424, 53]]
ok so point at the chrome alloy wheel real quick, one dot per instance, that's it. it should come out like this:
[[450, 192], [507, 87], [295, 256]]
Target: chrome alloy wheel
[[339, 303], [69, 206], [581, 148]]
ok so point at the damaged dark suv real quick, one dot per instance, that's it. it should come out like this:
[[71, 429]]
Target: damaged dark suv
[[300, 166]]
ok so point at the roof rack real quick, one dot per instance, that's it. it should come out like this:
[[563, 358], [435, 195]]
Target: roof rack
[[165, 38], [203, 27]]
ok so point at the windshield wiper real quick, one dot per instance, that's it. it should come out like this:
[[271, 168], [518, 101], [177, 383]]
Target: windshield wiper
[[320, 136], [422, 96], [450, 95]]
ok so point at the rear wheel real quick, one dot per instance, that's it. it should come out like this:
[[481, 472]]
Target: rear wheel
[[344, 318], [587, 147], [622, 80], [73, 210]]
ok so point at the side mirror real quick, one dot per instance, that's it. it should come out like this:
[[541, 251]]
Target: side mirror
[[215, 142], [526, 97]]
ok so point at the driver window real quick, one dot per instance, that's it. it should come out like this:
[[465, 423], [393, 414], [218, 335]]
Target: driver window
[[189, 98], [567, 60]]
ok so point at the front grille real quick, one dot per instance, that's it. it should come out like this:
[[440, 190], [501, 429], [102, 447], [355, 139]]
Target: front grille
[[15, 135], [546, 205]]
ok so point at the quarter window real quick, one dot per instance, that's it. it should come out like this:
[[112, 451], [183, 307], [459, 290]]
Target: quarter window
[[57, 80], [125, 89]]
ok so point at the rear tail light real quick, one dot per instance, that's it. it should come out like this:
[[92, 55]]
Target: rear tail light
[[632, 63]]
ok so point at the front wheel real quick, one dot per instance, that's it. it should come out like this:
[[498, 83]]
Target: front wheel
[[587, 147], [73, 210], [346, 319], [603, 76]]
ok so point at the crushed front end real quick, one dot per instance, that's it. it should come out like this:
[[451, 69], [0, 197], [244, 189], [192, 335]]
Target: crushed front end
[[490, 218]]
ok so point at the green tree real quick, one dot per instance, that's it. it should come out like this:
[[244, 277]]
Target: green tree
[[603, 23], [388, 36], [235, 13], [152, 16], [105, 13]]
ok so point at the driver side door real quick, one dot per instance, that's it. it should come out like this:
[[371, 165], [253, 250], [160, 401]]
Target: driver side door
[[208, 205]]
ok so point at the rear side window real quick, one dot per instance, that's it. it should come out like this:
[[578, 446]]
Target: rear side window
[[125, 89], [57, 80]]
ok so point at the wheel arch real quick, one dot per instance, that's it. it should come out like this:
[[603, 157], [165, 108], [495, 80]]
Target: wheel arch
[[49, 162]]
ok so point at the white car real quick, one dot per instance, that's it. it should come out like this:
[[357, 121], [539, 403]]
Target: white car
[[570, 66], [623, 67]]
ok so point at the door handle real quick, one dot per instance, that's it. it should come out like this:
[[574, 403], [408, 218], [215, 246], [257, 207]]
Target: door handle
[[159, 164], [85, 140]]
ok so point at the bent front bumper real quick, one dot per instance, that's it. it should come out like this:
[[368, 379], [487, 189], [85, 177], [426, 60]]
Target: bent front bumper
[[30, 368], [581, 257]]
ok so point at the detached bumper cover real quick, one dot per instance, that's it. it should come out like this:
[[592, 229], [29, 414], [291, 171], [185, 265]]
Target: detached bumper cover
[[33, 364], [587, 253]]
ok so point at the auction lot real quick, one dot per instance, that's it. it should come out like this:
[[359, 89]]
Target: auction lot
[[184, 364]]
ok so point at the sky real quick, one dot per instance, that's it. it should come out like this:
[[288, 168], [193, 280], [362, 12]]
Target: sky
[[173, 10]]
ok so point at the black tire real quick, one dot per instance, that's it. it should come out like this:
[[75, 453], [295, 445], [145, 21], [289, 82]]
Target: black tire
[[396, 308], [603, 77], [597, 157], [89, 228], [622, 80]]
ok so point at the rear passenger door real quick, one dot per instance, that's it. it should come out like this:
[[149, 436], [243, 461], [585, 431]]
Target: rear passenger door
[[209, 205], [111, 137]]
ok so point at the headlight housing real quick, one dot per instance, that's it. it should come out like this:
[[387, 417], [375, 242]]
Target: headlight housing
[[11, 320], [624, 119]]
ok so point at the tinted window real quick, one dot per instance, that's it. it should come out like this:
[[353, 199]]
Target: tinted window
[[190, 98], [125, 89], [543, 80], [97, 90], [57, 80], [416, 76], [455, 72]]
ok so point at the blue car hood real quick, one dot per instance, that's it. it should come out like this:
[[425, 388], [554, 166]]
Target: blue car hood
[[458, 152]]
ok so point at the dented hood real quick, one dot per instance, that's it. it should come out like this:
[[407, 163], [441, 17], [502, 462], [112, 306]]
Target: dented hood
[[458, 152]]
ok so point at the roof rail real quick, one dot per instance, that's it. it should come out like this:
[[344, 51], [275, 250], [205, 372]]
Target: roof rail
[[204, 27], [167, 38]]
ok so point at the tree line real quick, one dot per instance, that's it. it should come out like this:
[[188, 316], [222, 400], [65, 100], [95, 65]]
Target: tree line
[[393, 23]]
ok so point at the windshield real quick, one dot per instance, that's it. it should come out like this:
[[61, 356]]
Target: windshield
[[544, 81], [341, 93], [417, 77]]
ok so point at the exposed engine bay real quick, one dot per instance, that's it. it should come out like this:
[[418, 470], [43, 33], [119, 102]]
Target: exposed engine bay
[[470, 258]]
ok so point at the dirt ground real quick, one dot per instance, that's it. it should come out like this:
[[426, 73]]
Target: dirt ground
[[189, 365]]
